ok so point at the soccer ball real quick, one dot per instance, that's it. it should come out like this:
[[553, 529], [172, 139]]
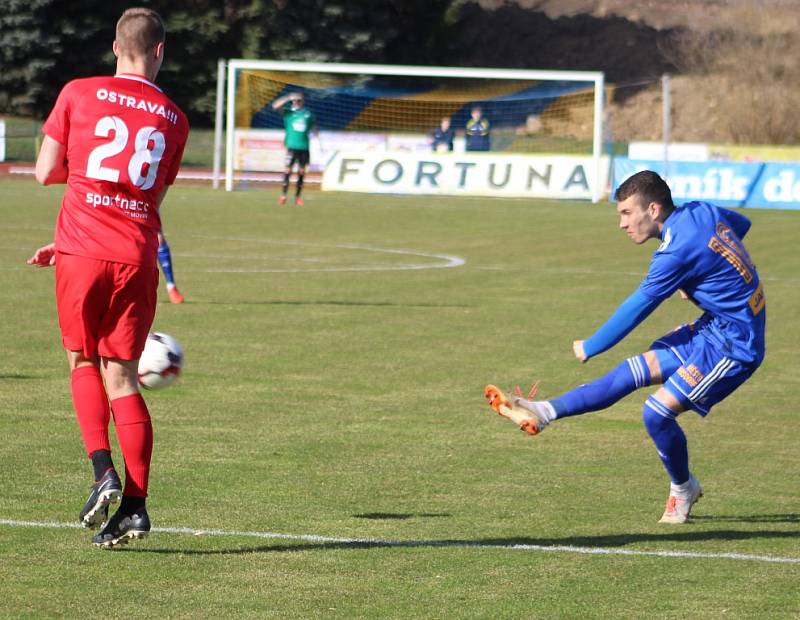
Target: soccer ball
[[161, 361]]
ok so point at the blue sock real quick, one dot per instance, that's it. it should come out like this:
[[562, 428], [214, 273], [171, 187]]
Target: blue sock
[[165, 260], [630, 375], [670, 441]]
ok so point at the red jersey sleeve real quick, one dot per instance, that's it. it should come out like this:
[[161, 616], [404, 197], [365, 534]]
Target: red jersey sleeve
[[57, 124], [175, 164]]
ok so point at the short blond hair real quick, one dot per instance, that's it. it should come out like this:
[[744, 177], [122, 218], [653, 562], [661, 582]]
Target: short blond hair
[[139, 30]]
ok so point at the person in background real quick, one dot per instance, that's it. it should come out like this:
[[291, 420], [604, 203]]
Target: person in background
[[477, 131], [299, 123], [441, 139]]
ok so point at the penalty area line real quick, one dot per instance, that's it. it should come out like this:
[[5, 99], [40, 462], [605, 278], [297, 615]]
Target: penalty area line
[[459, 544]]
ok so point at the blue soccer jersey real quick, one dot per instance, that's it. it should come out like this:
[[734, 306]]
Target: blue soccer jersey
[[701, 253]]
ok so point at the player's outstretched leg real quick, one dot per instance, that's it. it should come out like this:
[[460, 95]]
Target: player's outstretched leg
[[531, 420], [601, 393]]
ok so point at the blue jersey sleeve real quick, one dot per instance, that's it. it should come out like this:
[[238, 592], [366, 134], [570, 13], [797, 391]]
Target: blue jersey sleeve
[[665, 276], [738, 222], [633, 311]]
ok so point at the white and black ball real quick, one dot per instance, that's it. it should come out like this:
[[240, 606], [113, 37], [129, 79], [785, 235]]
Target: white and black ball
[[161, 361]]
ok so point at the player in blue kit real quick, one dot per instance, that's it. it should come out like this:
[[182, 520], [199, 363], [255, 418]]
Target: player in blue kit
[[701, 255]]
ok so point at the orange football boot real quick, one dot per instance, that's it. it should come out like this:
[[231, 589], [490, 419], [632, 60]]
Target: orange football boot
[[531, 422]]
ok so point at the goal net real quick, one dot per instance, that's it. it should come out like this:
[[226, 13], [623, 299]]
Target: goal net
[[395, 109]]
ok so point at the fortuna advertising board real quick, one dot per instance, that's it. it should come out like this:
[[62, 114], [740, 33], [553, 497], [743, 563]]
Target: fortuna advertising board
[[467, 174]]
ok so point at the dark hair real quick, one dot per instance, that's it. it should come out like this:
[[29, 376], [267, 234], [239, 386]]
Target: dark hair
[[649, 186], [139, 30]]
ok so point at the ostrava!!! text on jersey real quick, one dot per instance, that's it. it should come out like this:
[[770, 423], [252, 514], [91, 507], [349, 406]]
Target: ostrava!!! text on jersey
[[128, 101]]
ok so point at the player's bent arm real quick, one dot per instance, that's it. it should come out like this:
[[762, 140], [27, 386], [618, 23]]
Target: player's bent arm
[[51, 164], [282, 101], [631, 312]]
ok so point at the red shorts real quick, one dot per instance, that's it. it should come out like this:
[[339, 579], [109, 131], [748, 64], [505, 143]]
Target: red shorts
[[105, 308]]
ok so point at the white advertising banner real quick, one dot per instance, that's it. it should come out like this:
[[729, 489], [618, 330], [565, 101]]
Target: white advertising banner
[[263, 150], [455, 174], [325, 145], [259, 150]]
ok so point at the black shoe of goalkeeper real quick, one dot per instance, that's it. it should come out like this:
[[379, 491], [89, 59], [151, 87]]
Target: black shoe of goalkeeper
[[122, 528], [105, 491]]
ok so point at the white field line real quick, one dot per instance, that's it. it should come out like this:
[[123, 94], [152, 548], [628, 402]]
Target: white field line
[[461, 544], [435, 261], [442, 261]]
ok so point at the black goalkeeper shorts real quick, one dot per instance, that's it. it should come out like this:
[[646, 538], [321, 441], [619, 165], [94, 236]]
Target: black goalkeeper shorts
[[297, 156]]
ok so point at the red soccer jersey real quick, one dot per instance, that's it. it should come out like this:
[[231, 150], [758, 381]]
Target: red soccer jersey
[[124, 139]]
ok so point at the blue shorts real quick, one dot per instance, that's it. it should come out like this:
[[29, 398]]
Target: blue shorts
[[695, 371]]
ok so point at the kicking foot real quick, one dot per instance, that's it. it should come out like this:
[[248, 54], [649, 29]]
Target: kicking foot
[[524, 413], [299, 201], [282, 199], [680, 505]]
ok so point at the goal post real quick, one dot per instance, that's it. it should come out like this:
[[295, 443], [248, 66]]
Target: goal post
[[395, 107]]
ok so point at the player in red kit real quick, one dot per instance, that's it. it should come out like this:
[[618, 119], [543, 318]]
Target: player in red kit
[[117, 143]]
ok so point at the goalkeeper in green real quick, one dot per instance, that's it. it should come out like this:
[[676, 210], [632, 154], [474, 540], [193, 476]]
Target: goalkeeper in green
[[299, 122]]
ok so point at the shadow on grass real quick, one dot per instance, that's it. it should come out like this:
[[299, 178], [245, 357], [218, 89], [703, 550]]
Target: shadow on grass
[[329, 302], [400, 516], [787, 518], [559, 544]]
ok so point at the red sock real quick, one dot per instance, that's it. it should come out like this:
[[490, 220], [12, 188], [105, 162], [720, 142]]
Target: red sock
[[135, 435], [91, 407]]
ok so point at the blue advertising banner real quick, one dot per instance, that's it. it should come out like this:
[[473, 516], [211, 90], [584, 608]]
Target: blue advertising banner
[[771, 185], [778, 187]]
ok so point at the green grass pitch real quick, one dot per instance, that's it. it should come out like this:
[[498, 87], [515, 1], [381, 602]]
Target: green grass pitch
[[335, 360]]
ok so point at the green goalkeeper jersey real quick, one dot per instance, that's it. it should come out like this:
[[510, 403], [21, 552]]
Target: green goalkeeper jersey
[[298, 124]]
